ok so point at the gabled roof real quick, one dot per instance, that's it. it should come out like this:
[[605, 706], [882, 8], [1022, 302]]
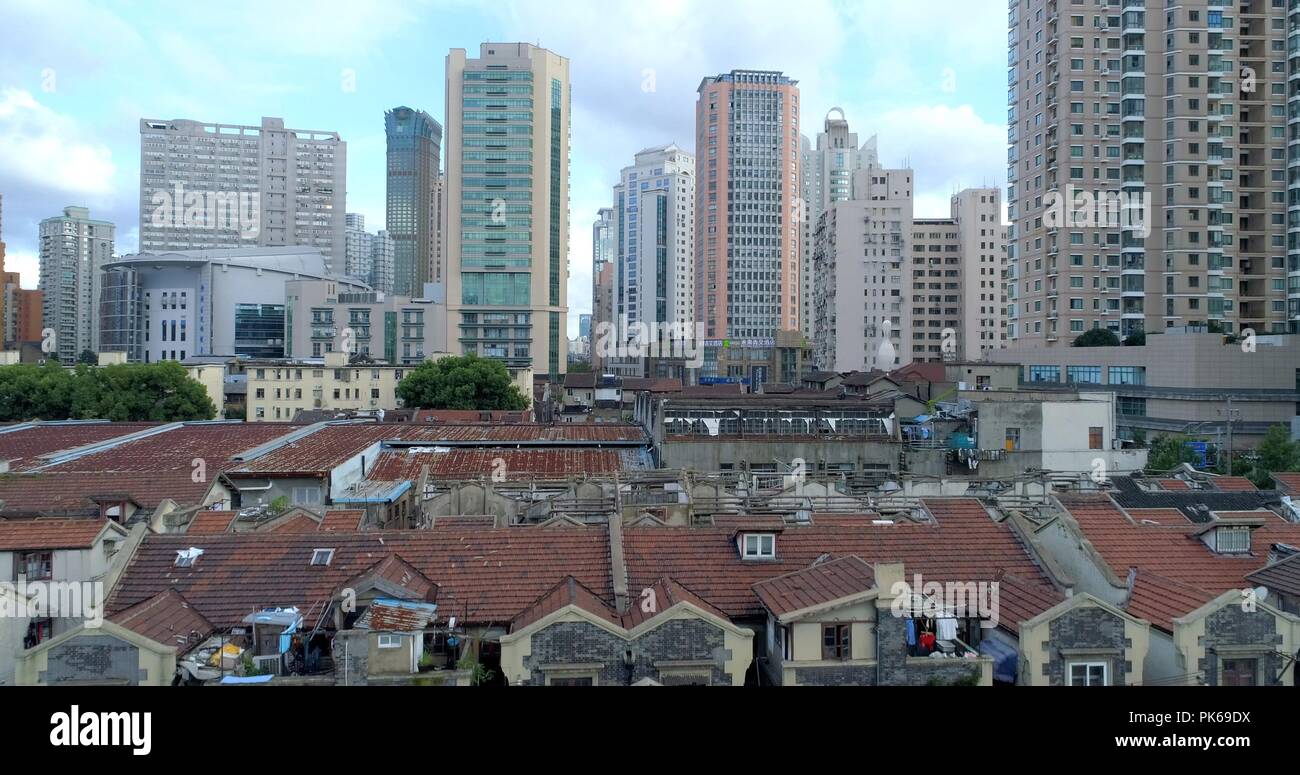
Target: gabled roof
[[342, 521], [210, 522], [580, 380], [1172, 552], [567, 592], [1282, 576], [816, 586], [166, 618], [1160, 600], [484, 576], [397, 578], [1289, 483], [962, 544], [1233, 484], [50, 534]]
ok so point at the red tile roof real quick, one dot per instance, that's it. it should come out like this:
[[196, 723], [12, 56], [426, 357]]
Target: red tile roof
[[33, 534], [1173, 485], [168, 619], [1160, 600], [332, 445], [471, 416], [820, 584], [397, 572], [398, 465], [210, 522], [567, 592], [963, 544], [1166, 517], [1173, 551], [342, 521], [23, 448], [149, 470], [484, 576], [1289, 483], [299, 523], [1234, 484]]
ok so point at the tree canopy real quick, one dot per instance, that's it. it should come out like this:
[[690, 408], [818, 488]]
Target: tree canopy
[[1097, 337], [461, 382], [160, 392], [1170, 452]]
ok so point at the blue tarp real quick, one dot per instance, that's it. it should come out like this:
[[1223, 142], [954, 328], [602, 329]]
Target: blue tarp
[[254, 679], [1005, 659]]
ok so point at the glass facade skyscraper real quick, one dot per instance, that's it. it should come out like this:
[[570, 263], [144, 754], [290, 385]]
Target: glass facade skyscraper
[[414, 149]]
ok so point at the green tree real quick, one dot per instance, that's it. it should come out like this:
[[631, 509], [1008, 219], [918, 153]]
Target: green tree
[[1168, 453], [1097, 337], [1136, 340], [579, 367], [88, 357], [1276, 453], [160, 392], [464, 382]]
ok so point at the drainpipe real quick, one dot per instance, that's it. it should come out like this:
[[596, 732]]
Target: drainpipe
[[876, 633]]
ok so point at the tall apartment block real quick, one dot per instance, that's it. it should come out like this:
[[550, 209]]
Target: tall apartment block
[[747, 239], [20, 309], [861, 277], [507, 194], [4, 282], [1183, 107], [956, 279], [827, 176], [654, 221], [414, 146], [357, 262], [73, 250], [229, 186], [602, 275]]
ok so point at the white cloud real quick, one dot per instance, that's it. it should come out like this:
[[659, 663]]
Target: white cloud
[[27, 264], [40, 148]]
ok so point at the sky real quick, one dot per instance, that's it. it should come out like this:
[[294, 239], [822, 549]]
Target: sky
[[928, 77]]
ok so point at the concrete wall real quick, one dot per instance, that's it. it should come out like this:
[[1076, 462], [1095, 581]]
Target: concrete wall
[[110, 655]]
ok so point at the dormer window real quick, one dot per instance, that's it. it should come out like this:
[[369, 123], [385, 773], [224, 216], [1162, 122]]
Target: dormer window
[[1232, 540], [322, 557], [758, 546]]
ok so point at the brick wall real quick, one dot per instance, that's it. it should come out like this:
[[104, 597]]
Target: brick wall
[[1087, 628], [574, 643]]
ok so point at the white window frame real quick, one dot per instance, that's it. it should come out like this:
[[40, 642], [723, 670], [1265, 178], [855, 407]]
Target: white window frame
[[390, 640], [329, 557], [307, 496], [1240, 534], [1087, 668], [759, 539]]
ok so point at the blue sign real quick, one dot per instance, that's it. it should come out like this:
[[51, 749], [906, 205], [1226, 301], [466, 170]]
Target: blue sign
[[1201, 450]]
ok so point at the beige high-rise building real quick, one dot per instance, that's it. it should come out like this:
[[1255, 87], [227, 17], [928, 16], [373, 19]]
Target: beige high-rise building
[[1176, 119], [958, 296], [506, 226], [747, 240], [861, 275], [227, 186], [826, 171]]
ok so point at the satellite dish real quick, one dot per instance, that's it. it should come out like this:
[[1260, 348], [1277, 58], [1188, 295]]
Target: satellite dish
[[1261, 594]]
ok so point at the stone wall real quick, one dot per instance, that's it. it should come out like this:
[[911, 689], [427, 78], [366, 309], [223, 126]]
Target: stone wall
[[92, 658], [1232, 626], [1087, 629], [578, 643]]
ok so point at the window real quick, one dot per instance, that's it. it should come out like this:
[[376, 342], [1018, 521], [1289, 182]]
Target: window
[[1240, 672], [322, 556], [835, 642], [1013, 439], [38, 566], [306, 496], [571, 681], [1096, 436], [1090, 375], [1232, 540], [186, 558], [1128, 375], [390, 640], [1044, 373], [760, 546], [1087, 674]]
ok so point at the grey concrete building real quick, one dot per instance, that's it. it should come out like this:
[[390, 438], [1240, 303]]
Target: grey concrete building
[[1179, 382], [206, 185], [324, 316], [176, 305], [73, 250]]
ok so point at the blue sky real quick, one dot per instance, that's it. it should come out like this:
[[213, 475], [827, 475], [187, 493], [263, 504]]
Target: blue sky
[[929, 77]]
